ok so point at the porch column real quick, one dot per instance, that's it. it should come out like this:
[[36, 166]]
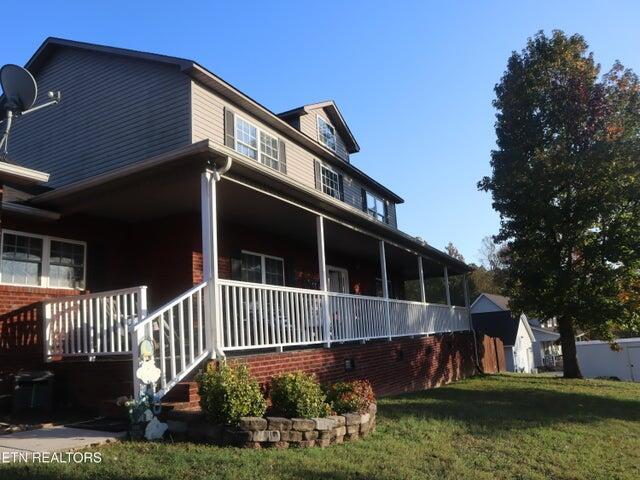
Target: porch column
[[446, 286], [213, 334], [322, 269], [385, 287], [423, 295]]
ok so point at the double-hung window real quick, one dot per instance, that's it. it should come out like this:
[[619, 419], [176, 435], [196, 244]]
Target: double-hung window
[[326, 133], [375, 207], [330, 181], [246, 138], [259, 145], [269, 150], [260, 268], [21, 259], [66, 264], [42, 261]]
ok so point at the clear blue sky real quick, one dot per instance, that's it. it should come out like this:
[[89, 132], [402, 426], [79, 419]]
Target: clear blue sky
[[414, 80]]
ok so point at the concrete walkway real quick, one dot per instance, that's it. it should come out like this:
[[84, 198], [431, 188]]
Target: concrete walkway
[[56, 439]]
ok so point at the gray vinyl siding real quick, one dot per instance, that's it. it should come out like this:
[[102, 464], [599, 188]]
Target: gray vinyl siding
[[392, 216], [208, 123], [114, 111], [309, 126], [353, 196]]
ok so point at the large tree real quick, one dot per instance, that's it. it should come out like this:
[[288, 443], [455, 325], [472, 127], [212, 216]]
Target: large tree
[[566, 182]]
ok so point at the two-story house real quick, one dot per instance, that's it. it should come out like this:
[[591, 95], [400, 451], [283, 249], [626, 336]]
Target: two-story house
[[181, 210]]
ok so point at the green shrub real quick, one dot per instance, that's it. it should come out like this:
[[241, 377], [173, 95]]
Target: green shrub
[[228, 393], [298, 394], [355, 396]]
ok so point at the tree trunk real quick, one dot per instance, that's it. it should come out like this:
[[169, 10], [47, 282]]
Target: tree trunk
[[568, 341]]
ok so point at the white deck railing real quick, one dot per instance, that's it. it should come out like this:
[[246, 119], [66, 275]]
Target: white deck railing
[[178, 333], [91, 325], [250, 316], [261, 316]]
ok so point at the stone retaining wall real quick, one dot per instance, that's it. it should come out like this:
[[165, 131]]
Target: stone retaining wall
[[279, 432]]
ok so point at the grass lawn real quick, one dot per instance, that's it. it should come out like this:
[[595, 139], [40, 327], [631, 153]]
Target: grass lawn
[[492, 427]]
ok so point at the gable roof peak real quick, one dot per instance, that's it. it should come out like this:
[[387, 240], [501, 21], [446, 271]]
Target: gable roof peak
[[334, 115]]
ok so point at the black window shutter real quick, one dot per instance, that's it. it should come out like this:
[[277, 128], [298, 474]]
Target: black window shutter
[[341, 186], [363, 192], [229, 128], [282, 156], [317, 174]]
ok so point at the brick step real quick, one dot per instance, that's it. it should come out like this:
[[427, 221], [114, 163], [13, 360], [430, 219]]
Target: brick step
[[169, 407], [183, 392]]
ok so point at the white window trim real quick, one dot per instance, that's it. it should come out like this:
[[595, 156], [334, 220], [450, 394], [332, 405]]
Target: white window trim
[[263, 269], [236, 141], [335, 133], [258, 146], [337, 173], [46, 264], [384, 207]]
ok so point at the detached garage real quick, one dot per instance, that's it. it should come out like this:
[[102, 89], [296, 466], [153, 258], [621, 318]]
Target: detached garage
[[597, 359]]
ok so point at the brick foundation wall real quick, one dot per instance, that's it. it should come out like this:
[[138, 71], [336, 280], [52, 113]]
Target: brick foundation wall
[[401, 365]]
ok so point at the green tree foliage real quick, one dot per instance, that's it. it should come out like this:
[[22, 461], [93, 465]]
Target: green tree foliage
[[566, 182]]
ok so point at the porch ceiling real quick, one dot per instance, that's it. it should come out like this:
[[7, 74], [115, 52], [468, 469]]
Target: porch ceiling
[[241, 205]]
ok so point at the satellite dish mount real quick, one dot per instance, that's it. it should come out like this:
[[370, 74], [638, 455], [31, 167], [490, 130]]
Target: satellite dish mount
[[20, 93]]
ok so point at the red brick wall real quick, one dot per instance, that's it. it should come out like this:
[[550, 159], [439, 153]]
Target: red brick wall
[[21, 329], [401, 365]]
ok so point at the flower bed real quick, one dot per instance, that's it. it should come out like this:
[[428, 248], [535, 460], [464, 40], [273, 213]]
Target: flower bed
[[278, 432]]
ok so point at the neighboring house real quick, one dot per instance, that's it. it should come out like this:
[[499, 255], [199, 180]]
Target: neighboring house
[[180, 209], [547, 351], [491, 316]]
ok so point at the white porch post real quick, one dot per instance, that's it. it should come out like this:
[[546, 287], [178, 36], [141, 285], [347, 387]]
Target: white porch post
[[322, 268], [385, 286], [446, 286], [210, 260], [423, 295]]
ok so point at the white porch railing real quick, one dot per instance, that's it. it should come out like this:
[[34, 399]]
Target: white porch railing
[[261, 316], [92, 325], [178, 333], [415, 318]]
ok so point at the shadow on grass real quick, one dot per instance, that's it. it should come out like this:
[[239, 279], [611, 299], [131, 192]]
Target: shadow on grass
[[494, 410]]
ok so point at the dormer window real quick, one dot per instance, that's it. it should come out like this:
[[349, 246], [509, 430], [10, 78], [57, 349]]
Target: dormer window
[[326, 134]]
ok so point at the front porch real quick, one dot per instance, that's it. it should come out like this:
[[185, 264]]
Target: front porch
[[262, 272]]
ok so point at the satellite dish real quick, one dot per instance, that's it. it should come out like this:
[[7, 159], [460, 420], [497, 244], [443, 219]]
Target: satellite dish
[[19, 87], [20, 93]]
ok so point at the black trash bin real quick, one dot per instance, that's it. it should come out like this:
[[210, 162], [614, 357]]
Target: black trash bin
[[33, 390]]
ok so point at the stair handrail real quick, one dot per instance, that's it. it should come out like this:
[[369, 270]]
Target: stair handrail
[[144, 325], [149, 317]]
